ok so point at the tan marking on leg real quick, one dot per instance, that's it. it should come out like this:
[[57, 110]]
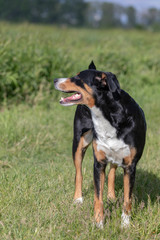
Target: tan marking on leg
[[100, 155], [111, 181], [83, 143], [128, 160], [126, 214], [78, 178], [127, 200], [98, 201]]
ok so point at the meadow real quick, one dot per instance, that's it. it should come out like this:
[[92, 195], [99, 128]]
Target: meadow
[[36, 167]]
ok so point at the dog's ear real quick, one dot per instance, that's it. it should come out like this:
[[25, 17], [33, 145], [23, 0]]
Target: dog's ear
[[102, 80], [113, 83], [108, 81], [92, 66]]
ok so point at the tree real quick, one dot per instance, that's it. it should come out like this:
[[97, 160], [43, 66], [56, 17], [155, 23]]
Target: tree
[[131, 14], [73, 12], [108, 15], [94, 14], [16, 10], [151, 18], [46, 11]]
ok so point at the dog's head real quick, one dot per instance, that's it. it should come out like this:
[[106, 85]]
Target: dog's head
[[90, 87]]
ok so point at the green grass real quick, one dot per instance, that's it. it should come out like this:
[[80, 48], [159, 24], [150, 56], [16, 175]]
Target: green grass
[[36, 168], [37, 181]]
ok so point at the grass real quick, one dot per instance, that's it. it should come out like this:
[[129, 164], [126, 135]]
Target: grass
[[36, 168], [37, 181]]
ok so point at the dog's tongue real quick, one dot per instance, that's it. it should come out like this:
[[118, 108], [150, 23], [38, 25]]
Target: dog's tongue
[[74, 97]]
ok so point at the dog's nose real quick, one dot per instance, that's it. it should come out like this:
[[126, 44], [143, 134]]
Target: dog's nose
[[55, 81]]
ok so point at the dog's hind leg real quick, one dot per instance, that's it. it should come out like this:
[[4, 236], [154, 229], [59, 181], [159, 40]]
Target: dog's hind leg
[[111, 181]]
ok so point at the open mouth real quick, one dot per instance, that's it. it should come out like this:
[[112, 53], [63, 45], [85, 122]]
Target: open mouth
[[71, 99]]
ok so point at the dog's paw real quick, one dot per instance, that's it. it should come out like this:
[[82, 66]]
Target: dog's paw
[[78, 200], [99, 224], [125, 220]]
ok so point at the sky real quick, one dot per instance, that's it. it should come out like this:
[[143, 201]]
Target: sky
[[138, 4]]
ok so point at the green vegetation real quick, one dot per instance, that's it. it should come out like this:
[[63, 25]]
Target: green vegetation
[[36, 169]]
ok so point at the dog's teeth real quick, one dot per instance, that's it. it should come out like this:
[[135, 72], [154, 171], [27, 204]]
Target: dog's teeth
[[61, 99]]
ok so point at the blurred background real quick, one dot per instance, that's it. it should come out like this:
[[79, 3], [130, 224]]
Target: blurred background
[[45, 39], [82, 13]]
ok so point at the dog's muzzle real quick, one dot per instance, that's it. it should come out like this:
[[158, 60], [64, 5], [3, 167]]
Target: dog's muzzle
[[57, 81]]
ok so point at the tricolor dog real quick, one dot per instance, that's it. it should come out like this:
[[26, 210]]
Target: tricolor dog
[[108, 117]]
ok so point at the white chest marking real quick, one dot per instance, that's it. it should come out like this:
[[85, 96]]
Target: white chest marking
[[107, 141]]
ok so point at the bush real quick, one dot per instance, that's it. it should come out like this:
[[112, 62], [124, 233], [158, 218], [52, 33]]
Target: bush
[[31, 56]]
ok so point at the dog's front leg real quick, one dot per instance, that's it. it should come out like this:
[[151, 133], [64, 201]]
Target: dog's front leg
[[80, 144], [111, 182], [78, 158], [99, 179]]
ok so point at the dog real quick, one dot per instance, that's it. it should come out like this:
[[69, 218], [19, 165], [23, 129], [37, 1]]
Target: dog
[[110, 118]]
